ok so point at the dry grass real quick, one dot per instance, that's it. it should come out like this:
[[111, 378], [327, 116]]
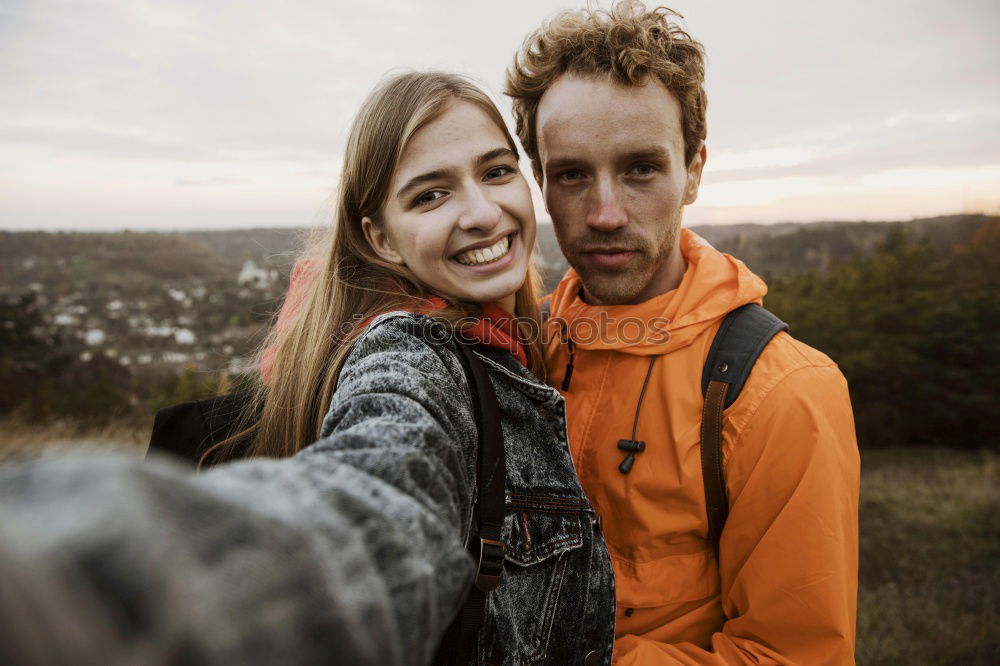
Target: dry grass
[[930, 546], [23, 440]]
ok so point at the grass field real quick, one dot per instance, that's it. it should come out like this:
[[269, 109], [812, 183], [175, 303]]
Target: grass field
[[930, 552], [930, 546], [20, 440]]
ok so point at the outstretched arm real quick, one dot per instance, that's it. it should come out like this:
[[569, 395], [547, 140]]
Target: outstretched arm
[[351, 551]]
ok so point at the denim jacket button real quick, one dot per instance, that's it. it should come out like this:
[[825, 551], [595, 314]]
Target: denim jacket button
[[593, 658]]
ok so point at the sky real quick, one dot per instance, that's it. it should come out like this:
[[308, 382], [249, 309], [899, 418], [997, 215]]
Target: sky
[[173, 114]]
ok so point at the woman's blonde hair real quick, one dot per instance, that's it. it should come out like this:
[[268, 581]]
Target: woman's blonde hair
[[350, 282]]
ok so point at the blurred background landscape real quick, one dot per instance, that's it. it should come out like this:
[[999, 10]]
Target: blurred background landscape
[[102, 329]]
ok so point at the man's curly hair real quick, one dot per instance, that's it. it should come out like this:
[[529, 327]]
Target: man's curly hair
[[627, 43]]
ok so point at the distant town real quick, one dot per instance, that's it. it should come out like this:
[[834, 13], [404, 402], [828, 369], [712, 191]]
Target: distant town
[[175, 326]]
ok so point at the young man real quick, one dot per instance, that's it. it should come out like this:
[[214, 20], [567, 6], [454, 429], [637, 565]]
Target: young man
[[610, 107]]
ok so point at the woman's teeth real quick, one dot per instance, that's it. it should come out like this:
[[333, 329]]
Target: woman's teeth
[[485, 255]]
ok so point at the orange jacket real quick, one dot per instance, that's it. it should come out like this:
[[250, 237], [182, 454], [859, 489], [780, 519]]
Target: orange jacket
[[789, 552]]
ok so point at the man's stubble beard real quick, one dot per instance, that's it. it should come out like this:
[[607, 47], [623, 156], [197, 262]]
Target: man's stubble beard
[[622, 287]]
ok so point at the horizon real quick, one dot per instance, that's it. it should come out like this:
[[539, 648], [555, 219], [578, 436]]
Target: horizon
[[546, 222], [186, 116]]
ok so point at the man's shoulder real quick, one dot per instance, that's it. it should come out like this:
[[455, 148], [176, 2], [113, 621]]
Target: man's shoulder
[[788, 369], [786, 354]]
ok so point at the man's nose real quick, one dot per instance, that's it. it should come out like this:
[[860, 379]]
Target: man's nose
[[480, 211], [605, 210]]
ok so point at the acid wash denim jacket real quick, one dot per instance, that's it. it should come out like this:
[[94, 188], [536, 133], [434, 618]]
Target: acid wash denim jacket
[[350, 552]]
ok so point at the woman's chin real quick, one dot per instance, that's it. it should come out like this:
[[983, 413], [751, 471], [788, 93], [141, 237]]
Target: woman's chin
[[505, 291]]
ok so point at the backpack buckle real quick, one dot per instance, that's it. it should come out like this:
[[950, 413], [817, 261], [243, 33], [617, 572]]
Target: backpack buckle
[[490, 567]]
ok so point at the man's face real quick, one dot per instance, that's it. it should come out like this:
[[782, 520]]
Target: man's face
[[614, 180]]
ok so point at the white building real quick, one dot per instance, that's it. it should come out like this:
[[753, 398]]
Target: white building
[[184, 336], [251, 275]]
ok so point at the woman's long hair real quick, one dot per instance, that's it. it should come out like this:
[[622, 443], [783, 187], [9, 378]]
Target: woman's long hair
[[350, 282]]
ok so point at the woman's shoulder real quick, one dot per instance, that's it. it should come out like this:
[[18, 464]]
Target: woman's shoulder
[[390, 325], [402, 361], [420, 334], [405, 331], [404, 346]]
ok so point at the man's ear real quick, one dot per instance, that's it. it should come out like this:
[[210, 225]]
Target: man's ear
[[379, 240], [694, 175]]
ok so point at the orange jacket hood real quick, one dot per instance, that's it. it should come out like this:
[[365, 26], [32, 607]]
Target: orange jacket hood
[[713, 284]]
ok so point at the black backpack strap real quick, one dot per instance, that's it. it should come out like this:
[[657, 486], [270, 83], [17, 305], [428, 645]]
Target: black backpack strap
[[739, 341], [188, 429], [459, 642]]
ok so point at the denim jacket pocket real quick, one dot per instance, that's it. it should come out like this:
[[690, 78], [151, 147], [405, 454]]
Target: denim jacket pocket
[[541, 539], [532, 534]]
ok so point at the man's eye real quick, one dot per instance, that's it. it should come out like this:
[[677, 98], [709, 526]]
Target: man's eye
[[570, 176], [498, 172], [428, 197], [643, 169]]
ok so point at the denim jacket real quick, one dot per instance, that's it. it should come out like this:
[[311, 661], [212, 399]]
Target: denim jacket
[[352, 551], [556, 602]]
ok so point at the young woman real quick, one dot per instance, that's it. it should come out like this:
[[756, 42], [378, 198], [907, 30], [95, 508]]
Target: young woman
[[432, 239]]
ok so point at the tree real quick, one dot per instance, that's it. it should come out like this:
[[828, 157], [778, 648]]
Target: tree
[[913, 328]]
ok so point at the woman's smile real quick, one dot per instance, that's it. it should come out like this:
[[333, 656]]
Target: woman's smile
[[495, 255]]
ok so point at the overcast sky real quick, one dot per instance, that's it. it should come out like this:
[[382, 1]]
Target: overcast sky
[[193, 113]]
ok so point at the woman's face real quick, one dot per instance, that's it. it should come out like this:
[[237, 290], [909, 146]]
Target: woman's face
[[459, 212]]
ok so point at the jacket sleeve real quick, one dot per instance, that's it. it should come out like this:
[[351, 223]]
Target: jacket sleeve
[[350, 551], [789, 551]]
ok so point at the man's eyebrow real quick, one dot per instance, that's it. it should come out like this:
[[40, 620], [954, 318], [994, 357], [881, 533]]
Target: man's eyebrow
[[561, 163], [419, 180], [653, 153]]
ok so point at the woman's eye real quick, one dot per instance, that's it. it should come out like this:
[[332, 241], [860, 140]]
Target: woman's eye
[[498, 172], [428, 197]]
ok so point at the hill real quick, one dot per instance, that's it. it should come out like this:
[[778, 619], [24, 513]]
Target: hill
[[773, 250]]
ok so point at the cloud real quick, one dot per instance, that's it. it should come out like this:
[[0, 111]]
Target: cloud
[[212, 181], [205, 101], [907, 139]]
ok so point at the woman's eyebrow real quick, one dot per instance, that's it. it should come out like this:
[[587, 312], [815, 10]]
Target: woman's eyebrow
[[419, 180], [490, 155]]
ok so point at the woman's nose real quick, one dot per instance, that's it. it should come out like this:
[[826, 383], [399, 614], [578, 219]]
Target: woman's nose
[[480, 212]]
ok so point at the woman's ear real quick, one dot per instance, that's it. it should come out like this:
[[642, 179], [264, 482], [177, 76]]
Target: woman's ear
[[379, 241]]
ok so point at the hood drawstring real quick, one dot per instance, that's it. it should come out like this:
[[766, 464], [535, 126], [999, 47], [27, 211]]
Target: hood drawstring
[[569, 366], [571, 346], [634, 446]]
